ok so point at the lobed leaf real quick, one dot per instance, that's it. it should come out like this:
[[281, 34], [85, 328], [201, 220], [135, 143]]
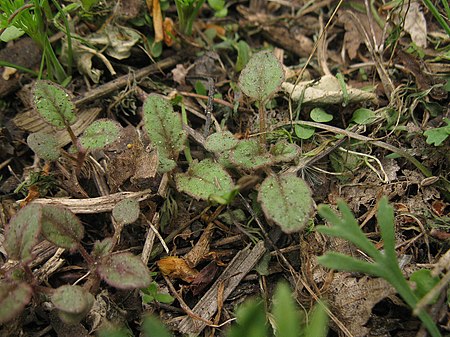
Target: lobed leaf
[[164, 129], [13, 299], [285, 312], [22, 233], [61, 227], [203, 179], [262, 76], [45, 145], [53, 104], [99, 134], [124, 271], [286, 200]]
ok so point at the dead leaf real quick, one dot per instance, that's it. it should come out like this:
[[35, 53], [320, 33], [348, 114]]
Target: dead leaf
[[325, 91], [157, 21], [177, 268], [415, 23], [179, 74], [169, 31], [201, 248], [204, 278]]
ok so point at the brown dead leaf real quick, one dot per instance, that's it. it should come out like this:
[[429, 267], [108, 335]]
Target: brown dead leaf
[[354, 34], [177, 268], [169, 31], [204, 278], [179, 74], [157, 21], [201, 248], [415, 23]]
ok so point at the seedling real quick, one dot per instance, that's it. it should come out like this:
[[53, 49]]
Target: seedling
[[187, 12], [54, 105], [260, 79], [18, 17], [384, 264], [62, 228]]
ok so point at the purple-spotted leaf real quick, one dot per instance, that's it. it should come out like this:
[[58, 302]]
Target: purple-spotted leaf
[[13, 299], [248, 155], [204, 179], [126, 211], [286, 200], [100, 134], [262, 76], [72, 302], [53, 103], [61, 227], [164, 129], [124, 271], [22, 233]]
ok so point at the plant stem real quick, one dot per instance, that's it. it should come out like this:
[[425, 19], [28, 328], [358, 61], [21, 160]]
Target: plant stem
[[262, 125]]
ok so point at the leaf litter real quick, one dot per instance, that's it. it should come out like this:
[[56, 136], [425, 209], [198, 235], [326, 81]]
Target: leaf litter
[[388, 82]]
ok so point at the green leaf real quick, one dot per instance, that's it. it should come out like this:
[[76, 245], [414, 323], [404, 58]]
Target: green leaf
[[164, 298], [204, 179], [45, 145], [385, 217], [61, 227], [262, 76], [243, 55], [285, 312], [219, 142], [102, 248], [13, 299], [284, 151], [53, 103], [424, 282], [72, 302], [251, 320], [22, 233], [248, 155], [363, 116], [286, 200], [11, 33], [114, 331], [152, 327], [124, 271], [164, 129], [99, 134], [126, 211], [338, 261], [318, 322], [304, 132], [437, 136], [320, 116]]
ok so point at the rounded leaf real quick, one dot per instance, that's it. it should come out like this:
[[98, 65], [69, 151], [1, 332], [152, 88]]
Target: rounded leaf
[[53, 104], [262, 76], [363, 116], [284, 151], [61, 227], [72, 299], [22, 233], [286, 200], [304, 132], [13, 299], [248, 155], [99, 134], [44, 144], [124, 271], [203, 179], [126, 211], [220, 142], [319, 115]]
